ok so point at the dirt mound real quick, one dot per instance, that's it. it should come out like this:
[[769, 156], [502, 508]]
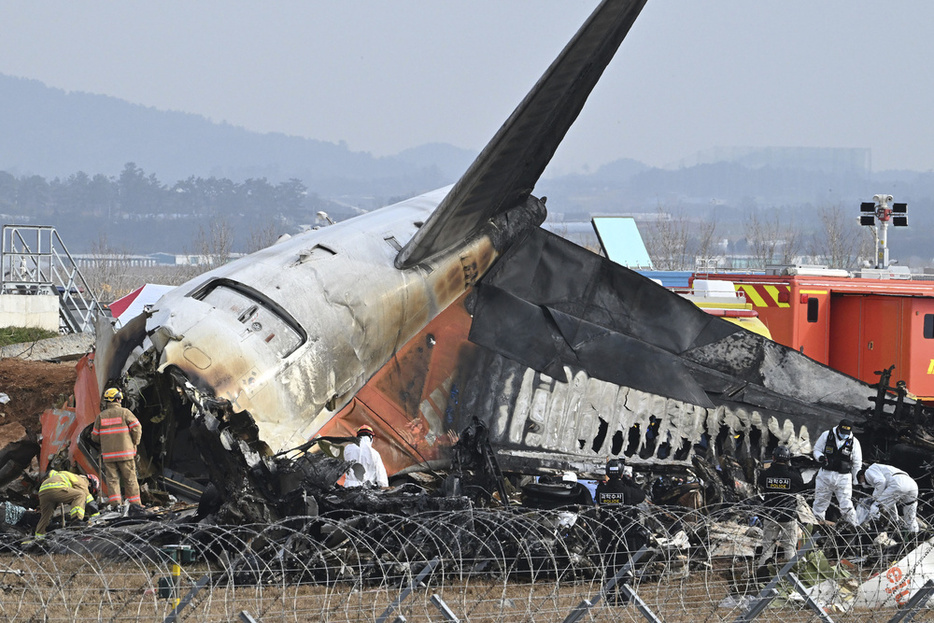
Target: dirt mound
[[33, 387]]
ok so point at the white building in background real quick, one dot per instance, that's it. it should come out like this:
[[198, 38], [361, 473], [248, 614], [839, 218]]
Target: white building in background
[[94, 260]]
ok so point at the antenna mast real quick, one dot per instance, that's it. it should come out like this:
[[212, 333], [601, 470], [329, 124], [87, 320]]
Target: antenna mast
[[880, 211]]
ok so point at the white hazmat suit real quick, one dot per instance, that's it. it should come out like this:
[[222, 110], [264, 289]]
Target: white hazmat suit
[[367, 465], [842, 460], [892, 486]]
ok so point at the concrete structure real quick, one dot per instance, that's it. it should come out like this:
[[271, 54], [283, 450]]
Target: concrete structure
[[38, 310], [68, 347]]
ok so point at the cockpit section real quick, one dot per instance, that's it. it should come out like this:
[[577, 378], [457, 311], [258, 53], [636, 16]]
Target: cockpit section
[[258, 314]]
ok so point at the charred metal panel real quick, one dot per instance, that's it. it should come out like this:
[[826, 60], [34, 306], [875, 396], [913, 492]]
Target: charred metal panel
[[780, 370], [410, 401], [584, 359], [539, 423], [547, 339], [607, 312], [113, 349], [548, 271]]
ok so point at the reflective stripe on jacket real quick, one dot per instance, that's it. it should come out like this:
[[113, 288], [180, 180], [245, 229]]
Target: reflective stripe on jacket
[[65, 480], [119, 433]]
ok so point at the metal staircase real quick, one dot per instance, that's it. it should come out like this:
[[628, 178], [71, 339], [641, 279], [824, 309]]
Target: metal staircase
[[34, 260]]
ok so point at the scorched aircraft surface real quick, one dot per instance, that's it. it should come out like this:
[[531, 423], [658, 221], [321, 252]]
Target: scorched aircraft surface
[[285, 337], [570, 359]]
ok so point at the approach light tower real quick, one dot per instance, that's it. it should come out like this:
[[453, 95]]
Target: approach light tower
[[869, 213]]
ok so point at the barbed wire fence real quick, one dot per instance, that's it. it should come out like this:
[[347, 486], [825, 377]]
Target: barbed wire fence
[[665, 564]]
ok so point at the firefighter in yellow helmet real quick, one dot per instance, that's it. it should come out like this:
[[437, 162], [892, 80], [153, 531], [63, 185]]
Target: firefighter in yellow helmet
[[61, 487], [119, 433]]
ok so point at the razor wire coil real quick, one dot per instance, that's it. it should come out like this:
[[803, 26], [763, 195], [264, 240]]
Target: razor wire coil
[[482, 564]]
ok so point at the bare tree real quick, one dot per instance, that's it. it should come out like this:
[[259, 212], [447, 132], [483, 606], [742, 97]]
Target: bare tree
[[668, 240], [213, 246], [106, 273], [867, 246], [840, 240], [111, 274], [262, 237], [675, 240], [704, 238], [215, 243], [771, 241], [791, 244]]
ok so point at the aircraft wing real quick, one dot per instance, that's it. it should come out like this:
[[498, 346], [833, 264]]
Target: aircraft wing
[[505, 172]]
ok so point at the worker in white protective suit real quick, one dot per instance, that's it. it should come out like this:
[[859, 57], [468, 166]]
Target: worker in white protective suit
[[892, 488], [841, 457], [366, 463]]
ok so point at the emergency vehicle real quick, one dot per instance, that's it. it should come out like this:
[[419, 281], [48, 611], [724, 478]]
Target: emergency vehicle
[[857, 325], [860, 325]]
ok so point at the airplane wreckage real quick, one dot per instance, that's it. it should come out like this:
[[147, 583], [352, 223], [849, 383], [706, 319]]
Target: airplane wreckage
[[471, 339]]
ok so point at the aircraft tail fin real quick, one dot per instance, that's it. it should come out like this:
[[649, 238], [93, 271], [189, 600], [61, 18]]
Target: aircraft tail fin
[[507, 169]]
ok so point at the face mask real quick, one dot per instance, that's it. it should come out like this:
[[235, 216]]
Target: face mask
[[843, 434]]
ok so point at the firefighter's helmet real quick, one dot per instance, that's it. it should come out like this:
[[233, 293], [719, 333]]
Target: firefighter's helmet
[[113, 395], [94, 484], [365, 430]]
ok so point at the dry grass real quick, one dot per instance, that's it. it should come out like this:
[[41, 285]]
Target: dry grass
[[76, 588]]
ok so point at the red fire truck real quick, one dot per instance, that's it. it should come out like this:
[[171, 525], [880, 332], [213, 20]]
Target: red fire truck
[[856, 325]]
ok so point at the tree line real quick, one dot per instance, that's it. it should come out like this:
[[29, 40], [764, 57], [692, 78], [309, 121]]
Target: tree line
[[251, 213], [134, 192], [679, 241]]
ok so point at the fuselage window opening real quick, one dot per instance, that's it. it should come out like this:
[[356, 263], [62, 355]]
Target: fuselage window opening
[[929, 326], [258, 314]]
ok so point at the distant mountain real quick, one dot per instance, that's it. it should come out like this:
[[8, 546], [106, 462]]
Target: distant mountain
[[621, 170], [450, 161], [54, 133]]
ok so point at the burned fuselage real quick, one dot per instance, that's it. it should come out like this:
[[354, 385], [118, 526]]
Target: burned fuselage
[[570, 361], [273, 345], [286, 337]]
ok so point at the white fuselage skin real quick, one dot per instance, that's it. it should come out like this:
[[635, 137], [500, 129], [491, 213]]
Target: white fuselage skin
[[339, 284]]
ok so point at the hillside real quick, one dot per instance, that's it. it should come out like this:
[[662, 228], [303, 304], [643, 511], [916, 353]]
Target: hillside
[[151, 180], [53, 133]]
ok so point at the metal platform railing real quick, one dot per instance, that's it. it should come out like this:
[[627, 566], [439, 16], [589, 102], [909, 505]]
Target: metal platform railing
[[34, 260]]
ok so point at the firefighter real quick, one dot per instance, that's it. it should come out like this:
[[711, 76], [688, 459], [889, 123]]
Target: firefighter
[[840, 456], [119, 433], [366, 463], [61, 487], [892, 487], [779, 484], [615, 491]]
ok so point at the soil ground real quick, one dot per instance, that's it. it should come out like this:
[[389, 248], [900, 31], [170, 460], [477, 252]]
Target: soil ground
[[33, 387]]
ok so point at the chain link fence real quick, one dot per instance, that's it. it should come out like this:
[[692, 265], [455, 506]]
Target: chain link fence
[[588, 564]]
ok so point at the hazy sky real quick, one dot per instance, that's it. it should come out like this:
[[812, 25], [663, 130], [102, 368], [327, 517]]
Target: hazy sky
[[385, 76]]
